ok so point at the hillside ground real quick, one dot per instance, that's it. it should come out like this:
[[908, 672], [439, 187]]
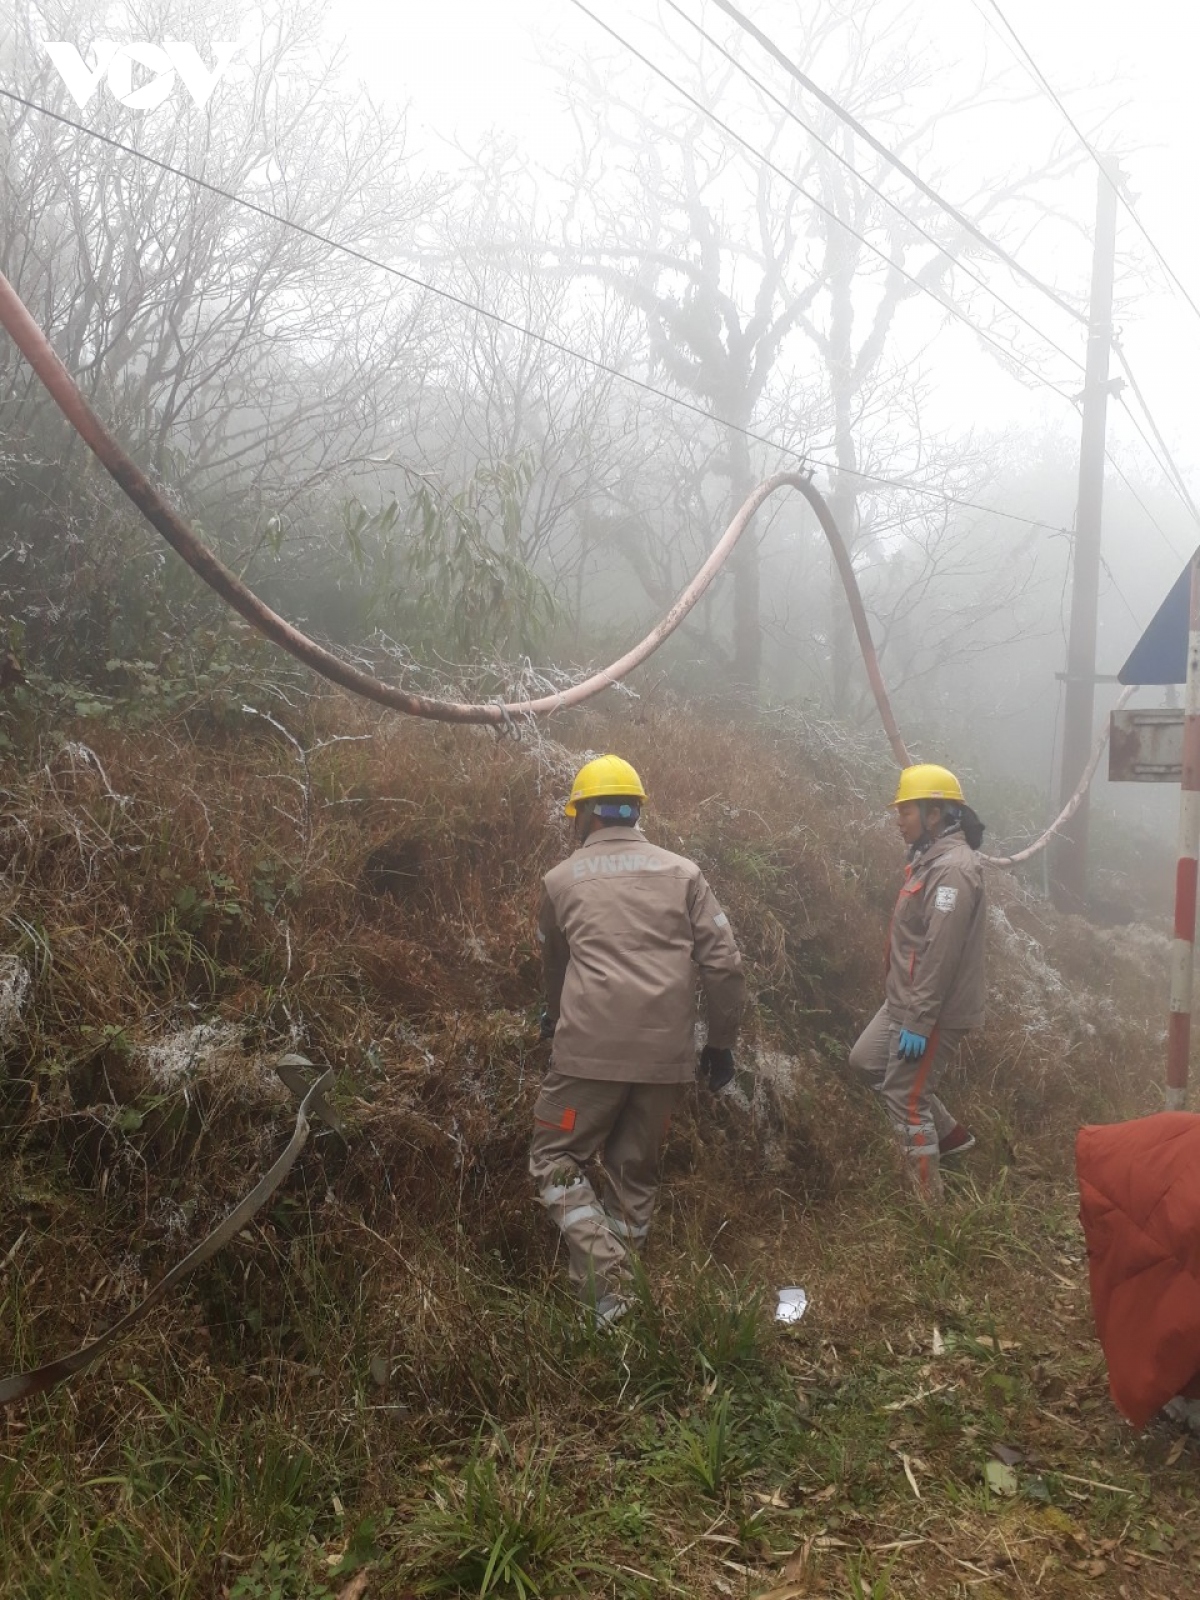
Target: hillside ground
[[381, 1387]]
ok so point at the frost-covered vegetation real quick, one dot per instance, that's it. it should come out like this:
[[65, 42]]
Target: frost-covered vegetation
[[381, 1386], [383, 1380]]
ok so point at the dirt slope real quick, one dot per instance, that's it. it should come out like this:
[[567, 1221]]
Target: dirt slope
[[382, 1381]]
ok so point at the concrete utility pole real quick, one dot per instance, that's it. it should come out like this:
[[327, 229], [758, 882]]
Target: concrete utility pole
[[1069, 854]]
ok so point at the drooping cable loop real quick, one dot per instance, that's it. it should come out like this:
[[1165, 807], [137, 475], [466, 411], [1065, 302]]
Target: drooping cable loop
[[186, 543], [36, 348]]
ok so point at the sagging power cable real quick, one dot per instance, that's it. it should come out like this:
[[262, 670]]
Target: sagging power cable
[[36, 348], [34, 345], [1072, 805]]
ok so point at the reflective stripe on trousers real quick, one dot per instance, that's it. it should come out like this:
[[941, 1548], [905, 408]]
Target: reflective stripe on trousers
[[906, 1091], [597, 1257], [621, 1126]]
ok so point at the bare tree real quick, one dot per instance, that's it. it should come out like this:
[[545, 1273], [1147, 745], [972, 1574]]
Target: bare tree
[[738, 246], [241, 358], [504, 394], [660, 237], [231, 348]]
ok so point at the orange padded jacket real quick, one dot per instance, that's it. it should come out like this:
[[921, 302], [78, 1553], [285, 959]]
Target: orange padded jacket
[[1139, 1190]]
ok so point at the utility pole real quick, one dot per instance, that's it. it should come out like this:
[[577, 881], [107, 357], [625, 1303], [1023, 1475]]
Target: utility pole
[[1069, 854]]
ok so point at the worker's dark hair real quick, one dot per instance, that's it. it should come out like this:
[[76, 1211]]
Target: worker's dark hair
[[961, 817], [972, 826], [617, 810]]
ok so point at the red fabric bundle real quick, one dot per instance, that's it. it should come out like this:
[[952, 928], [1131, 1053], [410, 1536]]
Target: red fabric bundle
[[1139, 1190]]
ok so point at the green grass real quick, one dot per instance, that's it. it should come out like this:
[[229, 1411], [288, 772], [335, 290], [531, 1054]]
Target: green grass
[[386, 1374], [501, 1526], [694, 1440]]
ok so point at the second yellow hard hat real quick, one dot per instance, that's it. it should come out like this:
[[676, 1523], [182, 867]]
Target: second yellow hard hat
[[928, 782]]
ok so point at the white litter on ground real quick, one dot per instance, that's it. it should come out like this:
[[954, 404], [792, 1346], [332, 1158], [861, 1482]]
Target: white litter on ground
[[1185, 1411], [793, 1303]]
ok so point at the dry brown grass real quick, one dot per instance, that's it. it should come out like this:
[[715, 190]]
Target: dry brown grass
[[371, 901]]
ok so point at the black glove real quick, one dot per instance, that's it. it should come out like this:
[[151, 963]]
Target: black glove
[[546, 1027], [716, 1067]]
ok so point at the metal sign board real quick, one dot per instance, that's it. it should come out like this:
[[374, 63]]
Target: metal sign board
[[1160, 655], [1146, 746]]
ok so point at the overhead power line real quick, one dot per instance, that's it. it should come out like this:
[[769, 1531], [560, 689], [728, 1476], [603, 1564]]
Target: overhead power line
[[1170, 470], [732, 133], [899, 210], [1145, 509], [1041, 78], [594, 362], [772, 49], [1123, 597], [761, 156], [1177, 489]]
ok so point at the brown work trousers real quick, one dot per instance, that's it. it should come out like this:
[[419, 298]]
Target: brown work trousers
[[906, 1090], [621, 1126]]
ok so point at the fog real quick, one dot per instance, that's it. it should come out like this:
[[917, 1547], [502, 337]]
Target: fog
[[535, 293]]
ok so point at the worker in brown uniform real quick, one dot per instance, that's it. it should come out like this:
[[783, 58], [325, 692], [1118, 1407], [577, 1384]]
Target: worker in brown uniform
[[935, 971], [626, 929]]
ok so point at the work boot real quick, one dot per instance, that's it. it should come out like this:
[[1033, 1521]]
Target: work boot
[[957, 1142], [608, 1311]]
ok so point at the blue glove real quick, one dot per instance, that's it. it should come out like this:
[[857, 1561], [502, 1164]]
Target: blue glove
[[912, 1045]]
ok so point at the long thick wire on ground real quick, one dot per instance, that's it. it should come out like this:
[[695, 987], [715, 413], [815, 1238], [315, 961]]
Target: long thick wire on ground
[[24, 1385]]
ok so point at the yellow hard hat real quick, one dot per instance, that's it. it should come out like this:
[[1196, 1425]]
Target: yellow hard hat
[[927, 782], [604, 776]]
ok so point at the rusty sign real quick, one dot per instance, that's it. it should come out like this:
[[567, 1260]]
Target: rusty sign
[[1146, 746]]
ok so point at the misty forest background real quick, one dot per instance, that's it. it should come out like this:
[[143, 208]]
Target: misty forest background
[[448, 499], [209, 857]]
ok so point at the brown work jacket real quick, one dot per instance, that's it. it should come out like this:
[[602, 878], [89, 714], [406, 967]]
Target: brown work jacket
[[935, 968], [626, 928]]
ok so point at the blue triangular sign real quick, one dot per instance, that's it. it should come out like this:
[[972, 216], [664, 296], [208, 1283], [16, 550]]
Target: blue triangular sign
[[1160, 655]]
